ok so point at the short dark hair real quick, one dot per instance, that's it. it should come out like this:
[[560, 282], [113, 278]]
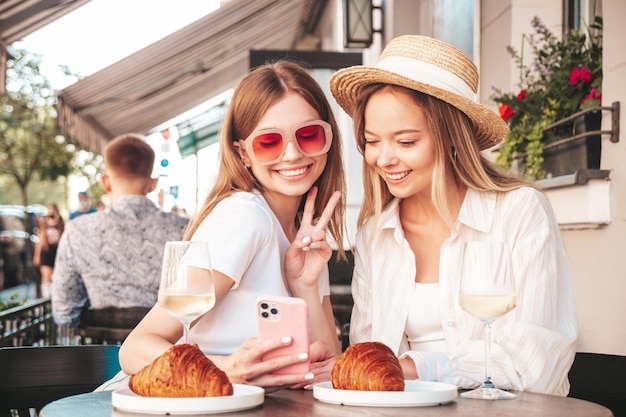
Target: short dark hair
[[129, 155]]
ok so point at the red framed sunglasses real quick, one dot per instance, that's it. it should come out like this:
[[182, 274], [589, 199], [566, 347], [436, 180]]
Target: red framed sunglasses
[[267, 146]]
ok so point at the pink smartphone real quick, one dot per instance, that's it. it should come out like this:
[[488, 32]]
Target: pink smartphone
[[284, 316]]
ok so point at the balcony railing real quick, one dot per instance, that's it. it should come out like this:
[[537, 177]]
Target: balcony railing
[[614, 132]]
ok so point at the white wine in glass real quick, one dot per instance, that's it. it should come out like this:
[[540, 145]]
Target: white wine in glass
[[187, 290], [487, 292]]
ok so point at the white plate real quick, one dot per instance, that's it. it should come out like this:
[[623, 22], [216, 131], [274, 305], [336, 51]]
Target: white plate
[[416, 393], [243, 398]]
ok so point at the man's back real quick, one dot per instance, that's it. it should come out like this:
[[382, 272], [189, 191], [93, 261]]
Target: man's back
[[112, 258]]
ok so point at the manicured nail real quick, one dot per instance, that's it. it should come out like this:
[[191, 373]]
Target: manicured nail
[[286, 340], [303, 356], [306, 239], [309, 377]]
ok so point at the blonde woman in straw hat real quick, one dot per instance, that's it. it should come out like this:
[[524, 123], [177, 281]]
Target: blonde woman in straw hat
[[427, 190]]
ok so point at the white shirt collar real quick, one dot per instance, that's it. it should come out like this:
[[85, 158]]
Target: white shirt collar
[[477, 212]]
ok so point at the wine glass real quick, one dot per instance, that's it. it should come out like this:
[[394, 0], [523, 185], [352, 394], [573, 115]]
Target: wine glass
[[187, 290], [487, 292]]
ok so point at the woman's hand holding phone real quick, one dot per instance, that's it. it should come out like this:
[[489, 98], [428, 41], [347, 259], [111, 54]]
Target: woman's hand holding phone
[[245, 366], [279, 317]]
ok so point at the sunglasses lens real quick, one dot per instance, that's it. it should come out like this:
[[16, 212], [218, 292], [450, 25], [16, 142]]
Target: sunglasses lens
[[267, 146], [311, 139]]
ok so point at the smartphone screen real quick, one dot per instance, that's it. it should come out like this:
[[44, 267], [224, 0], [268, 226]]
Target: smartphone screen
[[284, 316]]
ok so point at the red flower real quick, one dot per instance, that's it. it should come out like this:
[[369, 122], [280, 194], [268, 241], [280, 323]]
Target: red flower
[[581, 74], [585, 75], [522, 95], [593, 95], [506, 112], [574, 75]]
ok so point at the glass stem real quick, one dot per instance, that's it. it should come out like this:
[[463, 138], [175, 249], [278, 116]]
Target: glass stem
[[186, 328], [488, 383]]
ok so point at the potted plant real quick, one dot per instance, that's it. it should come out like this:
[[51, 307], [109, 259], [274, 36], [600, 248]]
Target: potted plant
[[563, 79]]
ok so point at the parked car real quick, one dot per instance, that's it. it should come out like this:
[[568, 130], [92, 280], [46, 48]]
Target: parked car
[[18, 235]]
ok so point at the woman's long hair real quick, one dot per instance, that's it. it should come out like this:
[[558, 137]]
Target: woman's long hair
[[255, 94], [456, 153]]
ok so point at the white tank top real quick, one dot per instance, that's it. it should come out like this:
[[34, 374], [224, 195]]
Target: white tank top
[[423, 325]]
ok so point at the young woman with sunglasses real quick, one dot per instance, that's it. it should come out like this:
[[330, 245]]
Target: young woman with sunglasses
[[277, 194], [50, 232]]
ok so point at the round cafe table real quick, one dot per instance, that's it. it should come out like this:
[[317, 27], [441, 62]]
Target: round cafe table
[[301, 403]]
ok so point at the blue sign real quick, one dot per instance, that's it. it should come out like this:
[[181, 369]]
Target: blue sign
[[174, 191], [164, 163]]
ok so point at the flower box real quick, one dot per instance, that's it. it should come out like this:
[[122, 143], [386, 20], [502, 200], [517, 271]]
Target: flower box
[[574, 149], [557, 104]]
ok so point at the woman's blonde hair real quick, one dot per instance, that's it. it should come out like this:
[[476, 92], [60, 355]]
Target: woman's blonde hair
[[456, 152], [255, 94]]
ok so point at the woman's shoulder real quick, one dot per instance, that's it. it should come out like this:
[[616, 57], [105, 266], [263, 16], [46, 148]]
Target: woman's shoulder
[[242, 200], [527, 206], [243, 209], [526, 197], [240, 214]]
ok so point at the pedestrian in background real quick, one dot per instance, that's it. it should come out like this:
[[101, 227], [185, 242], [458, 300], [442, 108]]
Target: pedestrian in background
[[84, 205], [50, 233]]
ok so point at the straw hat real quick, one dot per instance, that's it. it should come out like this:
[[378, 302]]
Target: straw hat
[[432, 67]]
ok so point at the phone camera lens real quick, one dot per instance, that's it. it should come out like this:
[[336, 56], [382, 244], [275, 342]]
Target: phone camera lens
[[274, 311], [264, 314], [264, 306]]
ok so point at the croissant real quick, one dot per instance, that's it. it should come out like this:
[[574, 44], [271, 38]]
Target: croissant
[[182, 371], [368, 366]]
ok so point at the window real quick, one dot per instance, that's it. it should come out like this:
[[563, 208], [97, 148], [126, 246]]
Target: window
[[578, 14]]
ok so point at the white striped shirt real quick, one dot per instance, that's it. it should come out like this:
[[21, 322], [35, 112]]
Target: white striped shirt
[[533, 346]]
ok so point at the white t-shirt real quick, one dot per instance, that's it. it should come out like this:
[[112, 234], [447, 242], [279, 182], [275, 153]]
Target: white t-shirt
[[248, 245]]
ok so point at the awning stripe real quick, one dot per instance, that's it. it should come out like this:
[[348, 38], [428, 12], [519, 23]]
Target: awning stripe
[[79, 129]]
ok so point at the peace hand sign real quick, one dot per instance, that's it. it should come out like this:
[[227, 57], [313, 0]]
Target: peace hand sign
[[309, 253]]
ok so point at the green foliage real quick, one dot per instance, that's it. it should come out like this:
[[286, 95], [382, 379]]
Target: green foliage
[[31, 146], [563, 78], [11, 302]]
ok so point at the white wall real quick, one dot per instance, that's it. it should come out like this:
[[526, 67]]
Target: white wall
[[598, 257]]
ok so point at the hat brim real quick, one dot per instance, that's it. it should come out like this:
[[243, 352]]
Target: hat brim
[[347, 83]]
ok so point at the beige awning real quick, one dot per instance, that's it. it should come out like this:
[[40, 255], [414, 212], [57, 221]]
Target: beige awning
[[20, 18], [178, 72]]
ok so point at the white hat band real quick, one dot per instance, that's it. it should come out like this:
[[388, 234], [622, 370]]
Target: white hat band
[[426, 73]]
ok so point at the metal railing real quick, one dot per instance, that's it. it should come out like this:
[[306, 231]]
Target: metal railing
[[614, 132], [29, 324]]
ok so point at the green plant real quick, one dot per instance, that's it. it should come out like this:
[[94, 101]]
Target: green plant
[[10, 302], [31, 147], [563, 78]]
